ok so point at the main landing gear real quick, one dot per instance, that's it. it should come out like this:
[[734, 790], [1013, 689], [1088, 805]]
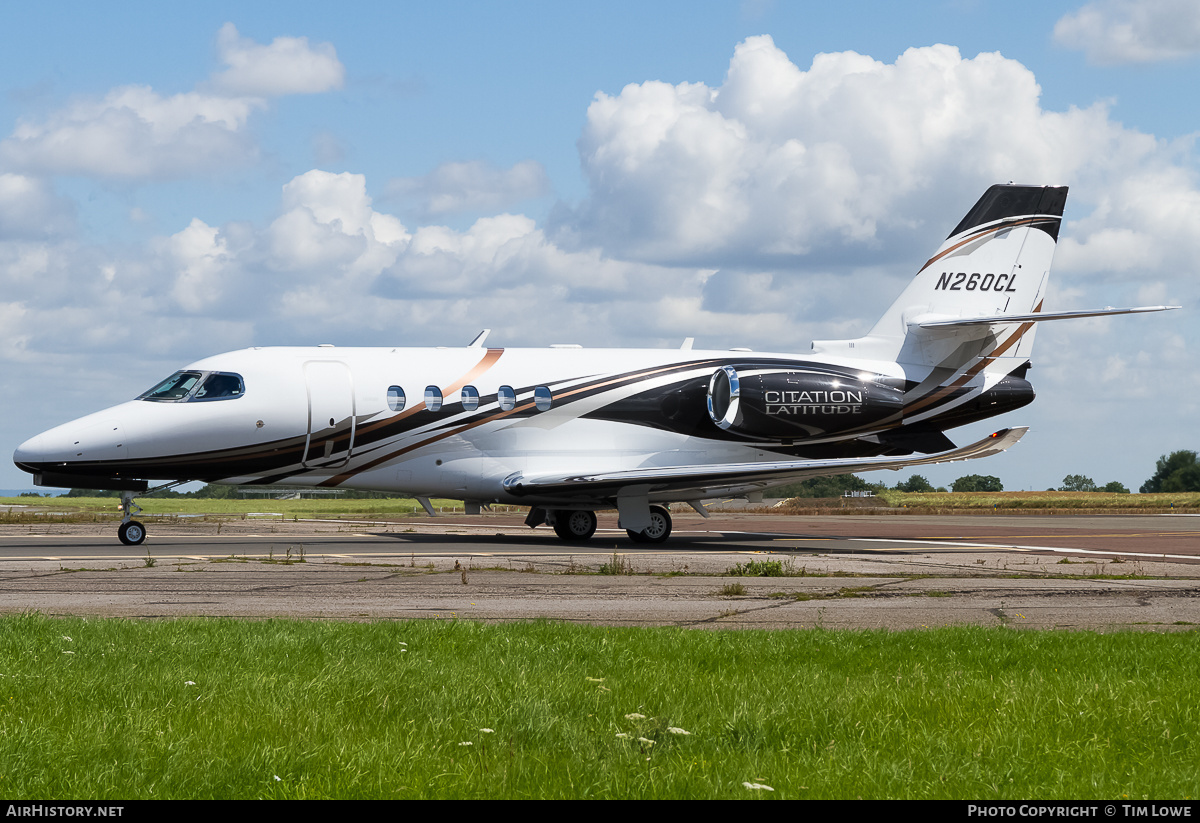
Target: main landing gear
[[658, 530], [578, 526], [574, 526]]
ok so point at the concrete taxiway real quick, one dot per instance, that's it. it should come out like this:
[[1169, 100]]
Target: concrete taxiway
[[845, 571]]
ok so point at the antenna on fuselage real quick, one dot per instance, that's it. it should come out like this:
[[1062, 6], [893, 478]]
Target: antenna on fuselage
[[477, 343]]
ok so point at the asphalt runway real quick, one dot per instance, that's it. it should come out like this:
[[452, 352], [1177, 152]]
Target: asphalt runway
[[854, 571]]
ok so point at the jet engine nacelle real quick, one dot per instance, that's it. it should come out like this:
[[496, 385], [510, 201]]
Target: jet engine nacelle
[[787, 405]]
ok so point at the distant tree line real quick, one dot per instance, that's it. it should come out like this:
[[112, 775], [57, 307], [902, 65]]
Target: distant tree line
[[1080, 483], [835, 485], [1178, 472]]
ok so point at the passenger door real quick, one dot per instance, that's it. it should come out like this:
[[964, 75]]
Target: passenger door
[[331, 421]]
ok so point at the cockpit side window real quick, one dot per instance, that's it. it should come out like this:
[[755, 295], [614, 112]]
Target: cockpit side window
[[220, 386], [185, 386]]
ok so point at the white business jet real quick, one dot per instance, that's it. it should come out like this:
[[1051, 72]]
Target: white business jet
[[569, 431]]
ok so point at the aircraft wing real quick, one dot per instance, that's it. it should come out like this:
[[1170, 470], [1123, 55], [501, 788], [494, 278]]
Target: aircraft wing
[[698, 482]]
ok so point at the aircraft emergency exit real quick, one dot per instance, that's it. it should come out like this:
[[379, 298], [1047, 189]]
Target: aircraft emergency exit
[[569, 431]]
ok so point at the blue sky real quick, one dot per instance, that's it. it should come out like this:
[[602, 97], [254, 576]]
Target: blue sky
[[177, 181]]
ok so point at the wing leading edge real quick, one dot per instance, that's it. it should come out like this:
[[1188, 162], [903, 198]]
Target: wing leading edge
[[698, 482]]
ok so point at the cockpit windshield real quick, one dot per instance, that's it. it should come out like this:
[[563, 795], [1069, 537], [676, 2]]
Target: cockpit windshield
[[195, 386]]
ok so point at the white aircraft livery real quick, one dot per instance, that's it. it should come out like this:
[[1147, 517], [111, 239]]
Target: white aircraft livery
[[569, 431]]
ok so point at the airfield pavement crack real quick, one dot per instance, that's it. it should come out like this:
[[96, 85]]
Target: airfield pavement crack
[[737, 613]]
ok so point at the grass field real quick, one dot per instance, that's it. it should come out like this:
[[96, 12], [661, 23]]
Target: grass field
[[215, 708], [894, 502], [1044, 502], [100, 509]]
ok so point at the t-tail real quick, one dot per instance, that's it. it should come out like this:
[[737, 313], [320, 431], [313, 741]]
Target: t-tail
[[974, 306]]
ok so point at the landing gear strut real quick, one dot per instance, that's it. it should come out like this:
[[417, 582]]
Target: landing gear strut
[[131, 532], [658, 530]]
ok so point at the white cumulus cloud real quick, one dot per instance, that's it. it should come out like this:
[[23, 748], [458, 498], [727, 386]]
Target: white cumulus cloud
[[1144, 225], [328, 221], [472, 186], [1132, 31], [29, 209], [201, 257], [288, 65], [781, 166], [135, 132]]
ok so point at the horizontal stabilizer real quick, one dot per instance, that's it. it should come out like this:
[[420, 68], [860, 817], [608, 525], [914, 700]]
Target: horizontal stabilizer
[[711, 481], [1031, 318]]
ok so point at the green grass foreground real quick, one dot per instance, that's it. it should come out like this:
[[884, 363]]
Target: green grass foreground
[[113, 709]]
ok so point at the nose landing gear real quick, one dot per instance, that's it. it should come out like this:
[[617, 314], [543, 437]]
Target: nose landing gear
[[131, 532]]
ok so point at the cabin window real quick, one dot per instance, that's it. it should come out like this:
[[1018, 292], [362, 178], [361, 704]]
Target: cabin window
[[433, 398], [507, 398], [470, 398], [542, 398], [396, 398], [184, 386]]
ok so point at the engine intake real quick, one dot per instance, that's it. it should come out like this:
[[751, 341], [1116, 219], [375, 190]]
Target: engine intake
[[786, 405]]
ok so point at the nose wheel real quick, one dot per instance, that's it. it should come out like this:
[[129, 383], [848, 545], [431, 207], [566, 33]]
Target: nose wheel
[[132, 533]]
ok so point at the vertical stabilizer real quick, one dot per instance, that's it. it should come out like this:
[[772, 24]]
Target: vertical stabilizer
[[996, 262]]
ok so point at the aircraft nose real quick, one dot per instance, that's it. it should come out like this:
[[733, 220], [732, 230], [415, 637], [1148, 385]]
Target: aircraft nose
[[29, 452], [86, 440]]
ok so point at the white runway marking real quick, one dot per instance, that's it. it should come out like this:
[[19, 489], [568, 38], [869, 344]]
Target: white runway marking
[[1010, 547]]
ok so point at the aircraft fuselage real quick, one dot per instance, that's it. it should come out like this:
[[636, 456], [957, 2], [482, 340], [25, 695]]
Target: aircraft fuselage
[[326, 416]]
